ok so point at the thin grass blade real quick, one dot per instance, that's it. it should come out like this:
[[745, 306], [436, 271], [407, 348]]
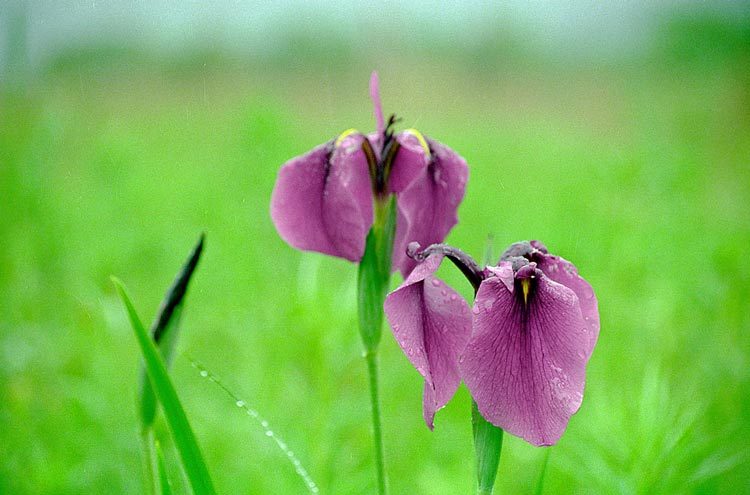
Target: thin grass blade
[[166, 488], [182, 433], [165, 330]]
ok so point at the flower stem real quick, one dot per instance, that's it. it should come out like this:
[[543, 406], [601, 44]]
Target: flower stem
[[147, 455], [372, 369], [543, 473], [488, 442], [372, 285]]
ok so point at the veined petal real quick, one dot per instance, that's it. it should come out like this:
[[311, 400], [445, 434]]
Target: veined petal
[[564, 272], [427, 208], [525, 362], [432, 324], [322, 201]]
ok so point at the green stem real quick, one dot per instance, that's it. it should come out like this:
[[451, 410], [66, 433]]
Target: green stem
[[372, 285], [149, 473], [372, 370], [488, 442], [543, 473], [165, 487]]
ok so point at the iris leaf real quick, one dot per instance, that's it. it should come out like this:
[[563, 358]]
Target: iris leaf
[[165, 329], [182, 433]]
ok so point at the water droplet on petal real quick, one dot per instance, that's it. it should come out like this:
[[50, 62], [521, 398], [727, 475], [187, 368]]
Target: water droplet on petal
[[475, 310], [453, 297], [436, 282]]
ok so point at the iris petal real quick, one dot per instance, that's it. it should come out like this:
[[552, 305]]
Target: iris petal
[[322, 200], [525, 362], [428, 199], [564, 272], [432, 324], [410, 163]]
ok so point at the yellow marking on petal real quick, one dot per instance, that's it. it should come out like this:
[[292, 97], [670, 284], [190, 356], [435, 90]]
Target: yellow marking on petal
[[420, 138], [345, 135], [525, 286]]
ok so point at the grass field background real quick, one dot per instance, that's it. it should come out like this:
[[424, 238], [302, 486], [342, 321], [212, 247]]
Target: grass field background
[[637, 171]]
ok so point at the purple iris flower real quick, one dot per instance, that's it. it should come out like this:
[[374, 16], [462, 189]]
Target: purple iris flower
[[523, 349], [324, 200]]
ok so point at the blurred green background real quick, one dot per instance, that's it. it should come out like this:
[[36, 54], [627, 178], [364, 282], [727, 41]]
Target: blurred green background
[[620, 136]]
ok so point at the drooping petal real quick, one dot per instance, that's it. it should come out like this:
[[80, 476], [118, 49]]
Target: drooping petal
[[427, 207], [564, 272], [347, 198], [322, 200], [432, 324], [411, 161], [525, 362]]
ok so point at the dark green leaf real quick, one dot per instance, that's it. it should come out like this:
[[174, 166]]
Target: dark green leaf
[[165, 330]]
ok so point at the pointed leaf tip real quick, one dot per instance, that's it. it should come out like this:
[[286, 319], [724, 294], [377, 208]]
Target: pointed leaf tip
[[165, 329], [177, 291], [182, 433]]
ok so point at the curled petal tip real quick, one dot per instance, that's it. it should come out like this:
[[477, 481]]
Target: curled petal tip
[[412, 250]]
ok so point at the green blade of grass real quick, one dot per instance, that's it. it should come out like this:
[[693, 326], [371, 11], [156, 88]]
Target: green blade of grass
[[182, 433], [166, 488], [148, 457], [165, 330]]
